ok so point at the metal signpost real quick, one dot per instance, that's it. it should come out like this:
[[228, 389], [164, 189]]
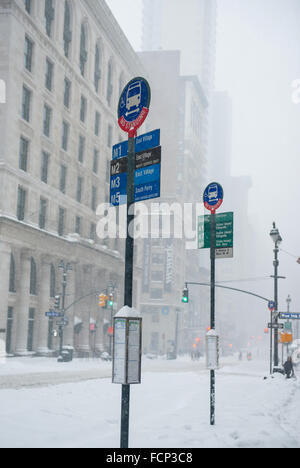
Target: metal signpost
[[133, 109], [213, 199], [271, 307]]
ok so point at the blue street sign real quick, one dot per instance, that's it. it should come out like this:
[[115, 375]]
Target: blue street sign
[[165, 310], [53, 313], [134, 105], [142, 143], [289, 316], [213, 196], [147, 177], [147, 191]]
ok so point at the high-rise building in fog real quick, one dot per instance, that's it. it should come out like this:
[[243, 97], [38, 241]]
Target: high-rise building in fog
[[188, 26], [179, 54]]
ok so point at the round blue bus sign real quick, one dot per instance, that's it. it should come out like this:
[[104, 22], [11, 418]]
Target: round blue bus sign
[[134, 105], [213, 197]]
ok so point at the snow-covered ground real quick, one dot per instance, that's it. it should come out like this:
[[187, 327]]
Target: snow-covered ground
[[170, 409]]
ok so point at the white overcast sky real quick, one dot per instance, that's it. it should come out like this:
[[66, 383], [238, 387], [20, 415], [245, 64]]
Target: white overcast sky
[[258, 58]]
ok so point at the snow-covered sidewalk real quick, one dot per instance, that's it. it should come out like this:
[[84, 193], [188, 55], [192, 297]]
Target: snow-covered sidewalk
[[170, 409]]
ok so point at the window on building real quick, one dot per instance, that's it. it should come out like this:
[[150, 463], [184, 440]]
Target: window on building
[[26, 103], [33, 278], [52, 282], [157, 276], [79, 189], [156, 293], [12, 275], [109, 91], [83, 108], [97, 123], [23, 154], [94, 198], [61, 221], [67, 29], [65, 135], [27, 4], [45, 166], [97, 74], [81, 148], [78, 225], [21, 204], [30, 334], [49, 74], [28, 53], [43, 213], [47, 120], [9, 326], [96, 161], [109, 135], [67, 93], [63, 178], [83, 50], [93, 231], [49, 16]]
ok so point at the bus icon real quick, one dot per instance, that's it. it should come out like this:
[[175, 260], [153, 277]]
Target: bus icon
[[134, 98], [213, 192]]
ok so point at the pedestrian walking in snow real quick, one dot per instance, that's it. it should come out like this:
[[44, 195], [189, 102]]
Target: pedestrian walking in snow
[[289, 368]]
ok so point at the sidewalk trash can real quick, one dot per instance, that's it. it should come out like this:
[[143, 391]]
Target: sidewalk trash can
[[66, 354]]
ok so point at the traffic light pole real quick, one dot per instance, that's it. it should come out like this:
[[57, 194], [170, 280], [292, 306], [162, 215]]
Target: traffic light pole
[[212, 312], [125, 404]]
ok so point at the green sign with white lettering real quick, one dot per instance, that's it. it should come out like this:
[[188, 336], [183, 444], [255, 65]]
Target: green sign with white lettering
[[224, 231]]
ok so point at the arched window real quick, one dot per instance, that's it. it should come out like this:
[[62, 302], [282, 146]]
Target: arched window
[[67, 28], [52, 281], [12, 275], [49, 16], [33, 278], [83, 49], [97, 76], [110, 88]]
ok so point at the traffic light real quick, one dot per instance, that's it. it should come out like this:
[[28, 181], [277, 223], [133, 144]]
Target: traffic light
[[111, 300], [185, 296], [57, 302], [102, 300]]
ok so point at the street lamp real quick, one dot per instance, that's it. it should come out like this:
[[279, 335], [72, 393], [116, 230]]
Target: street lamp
[[65, 267], [277, 239]]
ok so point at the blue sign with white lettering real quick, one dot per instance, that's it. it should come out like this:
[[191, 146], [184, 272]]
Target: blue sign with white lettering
[[118, 189], [142, 143], [147, 191]]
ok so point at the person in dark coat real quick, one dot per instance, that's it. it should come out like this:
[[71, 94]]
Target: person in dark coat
[[289, 368]]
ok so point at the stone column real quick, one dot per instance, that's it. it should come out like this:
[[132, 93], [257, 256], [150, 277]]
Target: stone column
[[22, 305], [5, 253], [85, 308], [44, 306], [70, 314]]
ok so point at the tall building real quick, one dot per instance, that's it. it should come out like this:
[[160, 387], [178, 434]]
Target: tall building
[[64, 64], [179, 53], [188, 26]]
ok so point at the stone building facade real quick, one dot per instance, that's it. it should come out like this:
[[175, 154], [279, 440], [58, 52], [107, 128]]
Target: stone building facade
[[64, 64]]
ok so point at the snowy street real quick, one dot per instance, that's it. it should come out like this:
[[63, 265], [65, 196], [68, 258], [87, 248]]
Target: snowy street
[[169, 410]]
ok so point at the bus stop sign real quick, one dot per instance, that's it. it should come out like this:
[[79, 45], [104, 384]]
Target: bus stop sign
[[134, 105]]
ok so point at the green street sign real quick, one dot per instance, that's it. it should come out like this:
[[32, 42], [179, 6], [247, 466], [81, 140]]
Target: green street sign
[[224, 231]]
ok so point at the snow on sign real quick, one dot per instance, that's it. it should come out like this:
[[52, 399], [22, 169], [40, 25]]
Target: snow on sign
[[134, 105], [213, 197], [212, 350]]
